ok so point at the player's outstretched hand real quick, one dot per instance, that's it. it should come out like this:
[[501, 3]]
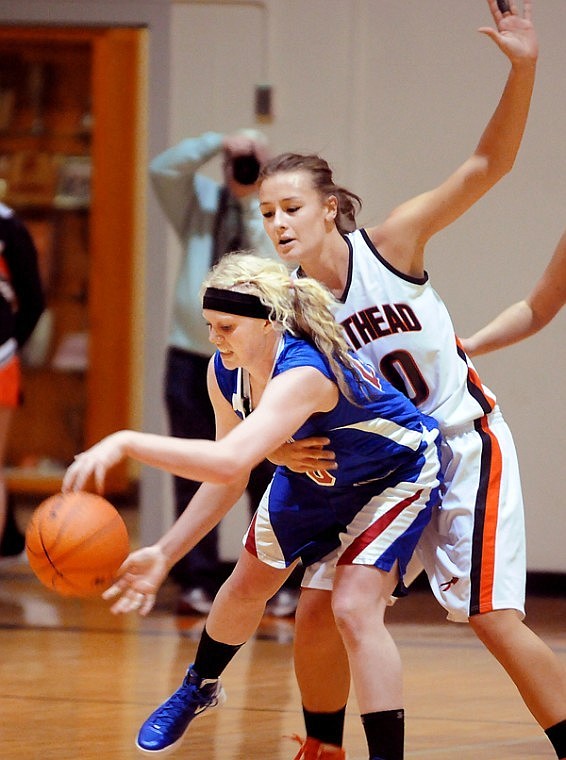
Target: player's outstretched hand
[[515, 34], [94, 463], [305, 455], [139, 578]]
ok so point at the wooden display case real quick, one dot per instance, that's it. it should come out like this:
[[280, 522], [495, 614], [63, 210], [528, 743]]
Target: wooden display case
[[72, 165]]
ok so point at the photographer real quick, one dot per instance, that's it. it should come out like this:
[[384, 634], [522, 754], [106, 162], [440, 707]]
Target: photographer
[[210, 219]]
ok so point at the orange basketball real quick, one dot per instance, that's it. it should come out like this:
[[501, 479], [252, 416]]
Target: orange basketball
[[75, 543]]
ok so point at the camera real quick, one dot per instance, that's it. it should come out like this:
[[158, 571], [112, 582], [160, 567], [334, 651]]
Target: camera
[[245, 169]]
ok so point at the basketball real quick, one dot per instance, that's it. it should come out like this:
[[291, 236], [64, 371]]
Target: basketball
[[75, 543]]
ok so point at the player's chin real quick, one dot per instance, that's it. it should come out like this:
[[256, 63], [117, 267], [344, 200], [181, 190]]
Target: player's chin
[[288, 251]]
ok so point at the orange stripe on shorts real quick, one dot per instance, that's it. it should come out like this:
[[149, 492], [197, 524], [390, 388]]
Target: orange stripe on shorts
[[490, 522]]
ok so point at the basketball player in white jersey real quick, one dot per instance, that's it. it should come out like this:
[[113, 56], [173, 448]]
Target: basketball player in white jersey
[[474, 552]]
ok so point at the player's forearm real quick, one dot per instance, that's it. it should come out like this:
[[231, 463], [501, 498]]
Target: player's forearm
[[203, 513], [513, 324], [194, 459], [501, 139]]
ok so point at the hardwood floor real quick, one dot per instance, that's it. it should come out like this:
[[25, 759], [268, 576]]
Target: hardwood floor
[[76, 682]]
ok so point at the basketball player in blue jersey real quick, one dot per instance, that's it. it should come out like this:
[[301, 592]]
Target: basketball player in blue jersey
[[474, 549], [282, 370]]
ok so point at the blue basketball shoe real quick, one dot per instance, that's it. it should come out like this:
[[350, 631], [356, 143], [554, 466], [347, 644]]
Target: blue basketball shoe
[[164, 728]]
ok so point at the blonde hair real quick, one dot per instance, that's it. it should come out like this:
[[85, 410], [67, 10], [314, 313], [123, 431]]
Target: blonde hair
[[301, 307]]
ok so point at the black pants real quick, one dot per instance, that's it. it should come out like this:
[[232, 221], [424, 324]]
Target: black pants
[[191, 416]]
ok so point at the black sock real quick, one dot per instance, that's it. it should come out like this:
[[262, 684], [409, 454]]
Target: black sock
[[385, 734], [213, 656], [557, 736], [327, 727]]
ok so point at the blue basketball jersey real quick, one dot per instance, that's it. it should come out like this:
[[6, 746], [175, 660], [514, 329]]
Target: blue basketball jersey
[[380, 440], [372, 438]]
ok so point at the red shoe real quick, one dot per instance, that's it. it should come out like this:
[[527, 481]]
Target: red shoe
[[313, 749]]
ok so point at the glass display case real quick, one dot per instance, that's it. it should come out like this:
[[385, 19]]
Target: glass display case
[[71, 126]]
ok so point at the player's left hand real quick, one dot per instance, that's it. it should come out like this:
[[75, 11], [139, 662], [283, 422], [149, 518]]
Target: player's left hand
[[140, 576], [515, 34], [305, 455]]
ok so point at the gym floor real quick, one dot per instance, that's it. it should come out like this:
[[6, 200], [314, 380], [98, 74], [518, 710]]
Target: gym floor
[[78, 681]]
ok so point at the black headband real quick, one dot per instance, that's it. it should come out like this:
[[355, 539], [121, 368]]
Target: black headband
[[232, 302]]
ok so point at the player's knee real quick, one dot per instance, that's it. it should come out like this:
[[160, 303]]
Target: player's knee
[[352, 615], [244, 589], [495, 626]]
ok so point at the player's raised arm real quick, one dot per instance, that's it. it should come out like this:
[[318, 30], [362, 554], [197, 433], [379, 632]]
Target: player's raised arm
[[415, 221]]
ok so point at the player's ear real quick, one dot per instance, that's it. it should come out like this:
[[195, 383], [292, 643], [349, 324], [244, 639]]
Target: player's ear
[[331, 210], [268, 327]]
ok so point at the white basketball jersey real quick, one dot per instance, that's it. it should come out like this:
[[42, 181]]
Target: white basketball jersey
[[401, 326]]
